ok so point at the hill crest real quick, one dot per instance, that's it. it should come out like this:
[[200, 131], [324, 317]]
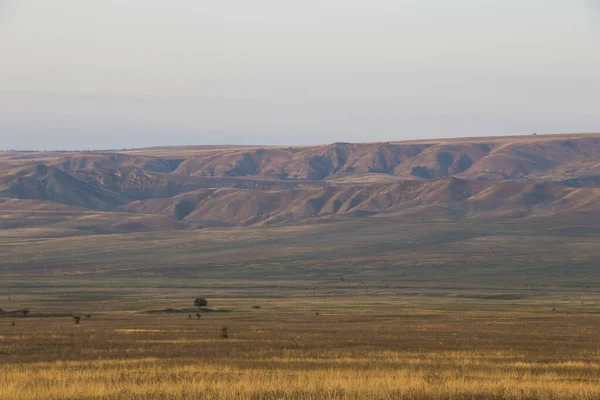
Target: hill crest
[[506, 178]]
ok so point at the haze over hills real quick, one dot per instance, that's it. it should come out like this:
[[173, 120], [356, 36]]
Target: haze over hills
[[551, 178]]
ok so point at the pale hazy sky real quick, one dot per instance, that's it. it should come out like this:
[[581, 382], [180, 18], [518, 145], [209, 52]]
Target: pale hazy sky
[[131, 73]]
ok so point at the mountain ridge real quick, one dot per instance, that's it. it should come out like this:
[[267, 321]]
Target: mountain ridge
[[502, 178]]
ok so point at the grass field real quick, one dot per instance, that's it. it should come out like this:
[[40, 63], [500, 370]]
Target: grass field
[[357, 309], [284, 350]]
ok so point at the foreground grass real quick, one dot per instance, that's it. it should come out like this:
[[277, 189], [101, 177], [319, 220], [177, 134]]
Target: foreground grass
[[282, 354], [461, 375]]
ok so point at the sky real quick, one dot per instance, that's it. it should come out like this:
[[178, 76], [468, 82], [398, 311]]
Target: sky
[[110, 74]]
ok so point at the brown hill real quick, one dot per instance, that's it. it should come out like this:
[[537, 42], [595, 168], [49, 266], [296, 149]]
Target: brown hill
[[550, 158], [540, 160], [39, 218], [94, 161], [524, 158], [50, 183], [446, 199], [314, 163], [544, 177], [137, 183]]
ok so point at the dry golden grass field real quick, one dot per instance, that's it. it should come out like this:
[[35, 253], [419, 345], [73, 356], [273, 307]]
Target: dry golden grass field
[[351, 349], [353, 309]]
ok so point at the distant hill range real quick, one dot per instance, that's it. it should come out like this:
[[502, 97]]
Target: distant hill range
[[543, 178]]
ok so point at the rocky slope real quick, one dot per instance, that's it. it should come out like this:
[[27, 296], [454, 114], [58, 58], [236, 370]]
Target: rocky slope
[[480, 160], [553, 177], [442, 199], [52, 184]]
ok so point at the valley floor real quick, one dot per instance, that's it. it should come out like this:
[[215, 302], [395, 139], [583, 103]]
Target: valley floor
[[306, 349], [345, 309]]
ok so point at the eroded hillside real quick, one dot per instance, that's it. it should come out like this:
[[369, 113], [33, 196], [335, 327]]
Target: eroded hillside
[[554, 177]]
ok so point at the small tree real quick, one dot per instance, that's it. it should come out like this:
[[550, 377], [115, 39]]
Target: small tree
[[77, 319], [200, 302], [225, 333]]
